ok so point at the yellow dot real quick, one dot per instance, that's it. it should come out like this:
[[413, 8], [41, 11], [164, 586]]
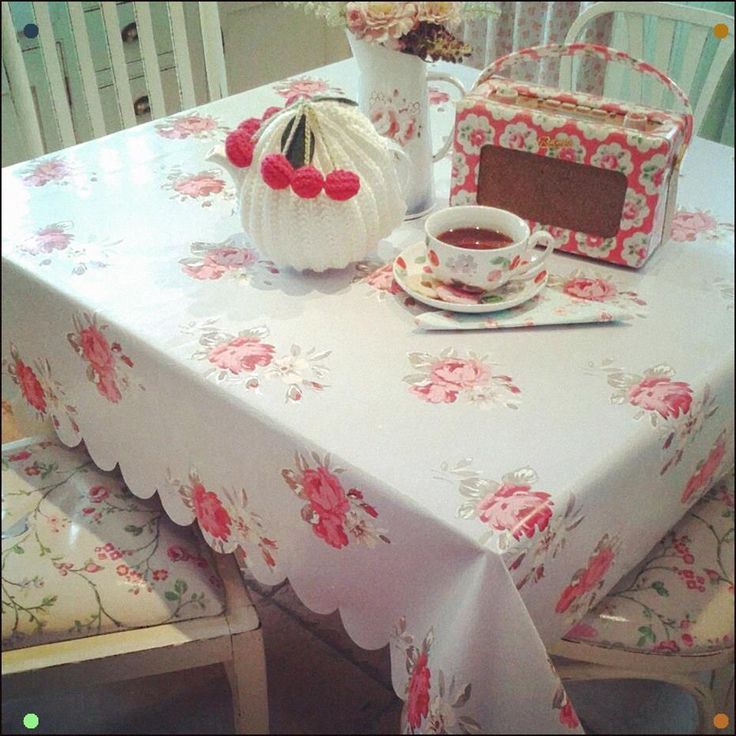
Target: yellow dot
[[720, 720], [720, 30]]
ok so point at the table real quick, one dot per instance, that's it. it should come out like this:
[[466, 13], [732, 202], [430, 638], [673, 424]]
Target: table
[[466, 496]]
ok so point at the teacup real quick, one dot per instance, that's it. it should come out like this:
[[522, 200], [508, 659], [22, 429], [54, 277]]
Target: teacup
[[484, 269]]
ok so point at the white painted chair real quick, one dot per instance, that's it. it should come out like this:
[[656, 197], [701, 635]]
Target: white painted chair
[[665, 24], [672, 617], [142, 33], [100, 586]]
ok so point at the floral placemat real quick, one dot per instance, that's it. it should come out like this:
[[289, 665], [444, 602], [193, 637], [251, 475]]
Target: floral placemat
[[550, 307]]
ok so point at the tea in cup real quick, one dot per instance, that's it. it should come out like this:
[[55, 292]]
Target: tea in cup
[[483, 247]]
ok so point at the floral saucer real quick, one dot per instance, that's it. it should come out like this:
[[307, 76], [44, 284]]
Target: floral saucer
[[411, 276]]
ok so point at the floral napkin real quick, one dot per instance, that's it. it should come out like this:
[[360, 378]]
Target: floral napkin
[[557, 304]]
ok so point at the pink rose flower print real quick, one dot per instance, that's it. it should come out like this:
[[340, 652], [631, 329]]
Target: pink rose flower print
[[45, 172], [437, 96], [303, 87], [589, 579], [107, 365], [447, 377], [97, 494], [48, 239], [186, 126], [232, 257], [247, 359], [211, 514], [654, 393], [688, 225], [442, 712], [336, 515], [30, 386], [241, 354], [597, 290], [328, 501], [417, 703], [668, 398], [706, 473], [382, 279], [516, 508], [199, 185]]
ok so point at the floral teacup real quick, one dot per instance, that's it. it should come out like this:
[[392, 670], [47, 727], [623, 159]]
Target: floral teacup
[[484, 269]]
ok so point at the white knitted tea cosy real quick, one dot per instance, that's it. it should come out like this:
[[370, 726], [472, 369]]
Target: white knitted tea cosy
[[322, 233]]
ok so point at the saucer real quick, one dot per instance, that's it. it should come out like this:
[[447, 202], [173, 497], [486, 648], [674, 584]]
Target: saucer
[[410, 276]]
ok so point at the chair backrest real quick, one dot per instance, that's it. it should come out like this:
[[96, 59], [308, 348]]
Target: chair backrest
[[674, 38], [94, 77]]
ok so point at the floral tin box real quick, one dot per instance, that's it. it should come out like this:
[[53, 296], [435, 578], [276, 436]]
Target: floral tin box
[[599, 175]]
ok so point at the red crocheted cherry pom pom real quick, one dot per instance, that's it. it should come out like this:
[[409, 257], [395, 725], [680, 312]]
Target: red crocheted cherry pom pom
[[239, 148], [341, 184], [276, 171], [270, 112], [250, 126], [307, 182]]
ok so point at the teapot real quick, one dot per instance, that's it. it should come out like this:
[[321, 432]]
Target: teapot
[[316, 185]]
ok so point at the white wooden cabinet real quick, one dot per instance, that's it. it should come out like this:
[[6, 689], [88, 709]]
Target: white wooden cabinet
[[263, 42]]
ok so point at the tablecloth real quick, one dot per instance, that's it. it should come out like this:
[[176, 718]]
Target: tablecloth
[[465, 496]]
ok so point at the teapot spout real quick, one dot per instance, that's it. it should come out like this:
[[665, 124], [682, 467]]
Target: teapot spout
[[217, 156]]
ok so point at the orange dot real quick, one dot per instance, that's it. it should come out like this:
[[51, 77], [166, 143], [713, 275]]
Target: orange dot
[[720, 720], [720, 30]]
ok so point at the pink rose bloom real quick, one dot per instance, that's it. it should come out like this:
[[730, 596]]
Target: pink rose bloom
[[407, 127], [567, 154], [199, 185], [581, 631], [211, 514], [460, 373], [30, 386], [516, 140], [609, 161], [304, 88], [703, 477], [48, 171], [668, 398], [666, 646], [108, 388], [598, 566], [328, 500], [177, 553], [382, 22], [517, 509], [96, 350], [98, 494], [231, 258], [417, 702], [440, 13], [18, 456], [52, 238], [435, 393], [596, 290], [205, 271], [437, 96], [382, 279], [385, 120], [687, 225], [477, 137], [568, 716], [190, 125], [569, 594], [630, 210], [241, 354]]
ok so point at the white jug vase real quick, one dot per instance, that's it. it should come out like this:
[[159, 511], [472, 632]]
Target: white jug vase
[[393, 93]]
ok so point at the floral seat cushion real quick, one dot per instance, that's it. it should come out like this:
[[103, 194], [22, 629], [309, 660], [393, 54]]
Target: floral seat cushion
[[82, 556], [680, 599]]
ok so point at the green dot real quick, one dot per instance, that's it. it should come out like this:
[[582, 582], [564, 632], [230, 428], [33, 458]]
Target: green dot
[[30, 721]]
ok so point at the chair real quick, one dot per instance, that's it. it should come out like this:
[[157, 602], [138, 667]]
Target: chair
[[672, 616], [697, 70], [134, 595], [86, 79]]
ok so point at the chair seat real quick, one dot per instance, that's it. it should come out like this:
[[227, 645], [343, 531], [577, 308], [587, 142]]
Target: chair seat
[[83, 556], [679, 600]]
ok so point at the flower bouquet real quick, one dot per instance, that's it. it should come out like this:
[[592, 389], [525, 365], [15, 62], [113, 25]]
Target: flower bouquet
[[425, 30]]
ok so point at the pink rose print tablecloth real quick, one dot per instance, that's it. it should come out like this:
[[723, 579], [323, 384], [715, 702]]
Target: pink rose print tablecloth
[[464, 495]]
